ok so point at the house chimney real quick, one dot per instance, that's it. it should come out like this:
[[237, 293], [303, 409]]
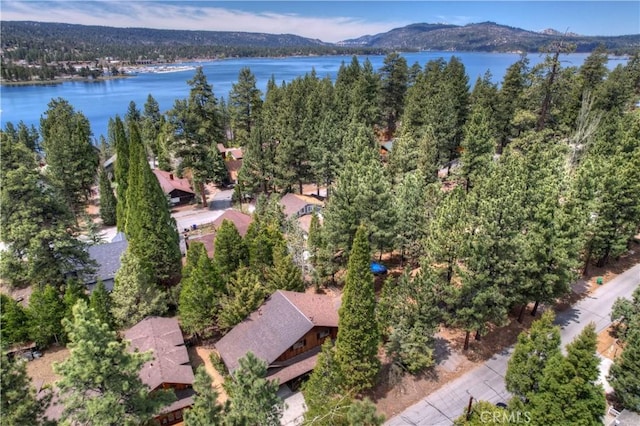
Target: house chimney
[[170, 176]]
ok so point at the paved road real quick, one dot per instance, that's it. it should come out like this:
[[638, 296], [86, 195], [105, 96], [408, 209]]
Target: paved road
[[486, 382]]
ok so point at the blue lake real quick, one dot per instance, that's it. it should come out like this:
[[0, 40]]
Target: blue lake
[[99, 101]]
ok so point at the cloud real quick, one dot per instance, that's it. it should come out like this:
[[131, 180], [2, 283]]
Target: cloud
[[456, 19], [193, 16]]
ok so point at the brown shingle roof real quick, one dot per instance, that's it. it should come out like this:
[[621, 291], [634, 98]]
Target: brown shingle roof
[[279, 323], [171, 360], [293, 203], [240, 220], [169, 182]]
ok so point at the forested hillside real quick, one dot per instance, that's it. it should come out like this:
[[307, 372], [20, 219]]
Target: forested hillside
[[488, 37], [38, 42], [493, 200]]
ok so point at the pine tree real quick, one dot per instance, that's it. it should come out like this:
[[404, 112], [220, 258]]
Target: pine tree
[[100, 381], [254, 398], [624, 375], [394, 75], [244, 104], [100, 302], [362, 195], [198, 128], [199, 294], [568, 392], [205, 410], [257, 172], [245, 293], [262, 241], [37, 227], [284, 275], [150, 229], [478, 145], [45, 312], [324, 404], [409, 313], [410, 203], [447, 233], [73, 291], [135, 295], [531, 355], [230, 251], [358, 334], [14, 322], [624, 312], [151, 125], [72, 161], [108, 202], [121, 170], [19, 404]]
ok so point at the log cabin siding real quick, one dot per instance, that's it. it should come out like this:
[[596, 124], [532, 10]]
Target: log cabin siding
[[314, 338]]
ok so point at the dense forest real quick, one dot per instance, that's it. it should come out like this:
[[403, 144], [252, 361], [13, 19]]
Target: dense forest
[[494, 199]]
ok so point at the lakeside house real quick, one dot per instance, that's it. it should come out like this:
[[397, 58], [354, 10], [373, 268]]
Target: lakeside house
[[286, 331], [170, 367], [178, 190]]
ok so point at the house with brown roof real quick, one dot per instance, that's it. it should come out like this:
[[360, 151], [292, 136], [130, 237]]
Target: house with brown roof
[[287, 332], [178, 190], [232, 160], [239, 219], [298, 205], [170, 367]]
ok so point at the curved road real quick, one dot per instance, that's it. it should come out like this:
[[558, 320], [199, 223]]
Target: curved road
[[486, 382]]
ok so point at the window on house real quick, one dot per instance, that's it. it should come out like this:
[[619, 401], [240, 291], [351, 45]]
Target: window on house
[[299, 345], [324, 333]]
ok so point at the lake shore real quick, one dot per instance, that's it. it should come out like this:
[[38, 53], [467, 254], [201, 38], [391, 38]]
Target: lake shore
[[60, 80]]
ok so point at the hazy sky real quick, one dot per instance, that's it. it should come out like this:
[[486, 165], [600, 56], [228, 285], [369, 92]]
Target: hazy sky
[[332, 20]]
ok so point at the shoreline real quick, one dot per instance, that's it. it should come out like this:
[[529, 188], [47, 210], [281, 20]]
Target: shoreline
[[61, 80]]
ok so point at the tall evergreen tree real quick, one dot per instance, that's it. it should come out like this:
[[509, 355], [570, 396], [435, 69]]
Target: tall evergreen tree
[[199, 294], [284, 275], [409, 313], [568, 392], [150, 229], [530, 356], [478, 146], [14, 322], [198, 129], [625, 312], [230, 251], [108, 201], [395, 76], [362, 195], [35, 224], [45, 312], [358, 334], [245, 293], [254, 398], [151, 125], [244, 105], [410, 203], [72, 161], [121, 169], [205, 411], [100, 302], [19, 404], [135, 295], [624, 375], [100, 381]]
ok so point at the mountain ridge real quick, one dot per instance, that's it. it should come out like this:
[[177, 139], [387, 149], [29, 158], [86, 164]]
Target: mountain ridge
[[484, 36]]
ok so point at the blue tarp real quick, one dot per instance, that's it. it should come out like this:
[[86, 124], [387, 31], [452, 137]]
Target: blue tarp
[[378, 268]]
